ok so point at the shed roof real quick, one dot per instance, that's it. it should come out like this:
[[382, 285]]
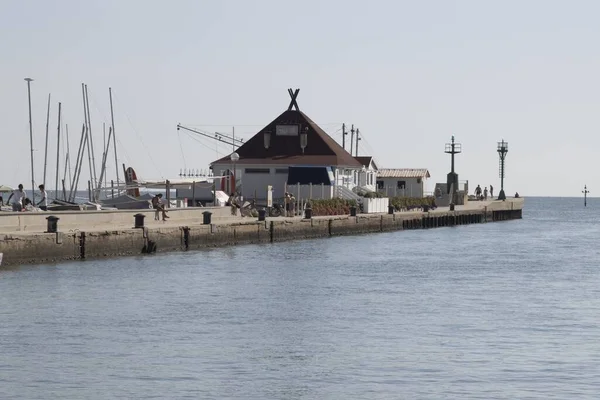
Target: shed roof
[[403, 173], [321, 149]]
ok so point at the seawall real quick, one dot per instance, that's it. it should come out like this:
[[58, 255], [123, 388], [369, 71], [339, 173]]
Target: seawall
[[97, 240]]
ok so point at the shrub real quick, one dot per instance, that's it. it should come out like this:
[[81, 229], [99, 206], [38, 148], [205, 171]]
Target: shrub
[[322, 207], [410, 203]]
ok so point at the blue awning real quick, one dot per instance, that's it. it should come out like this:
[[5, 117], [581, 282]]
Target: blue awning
[[308, 175]]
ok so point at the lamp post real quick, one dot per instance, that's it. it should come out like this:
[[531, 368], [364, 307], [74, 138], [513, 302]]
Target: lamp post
[[452, 148], [585, 192], [235, 157], [29, 80], [502, 150]]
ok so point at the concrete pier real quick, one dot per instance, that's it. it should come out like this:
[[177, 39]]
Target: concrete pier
[[81, 236]]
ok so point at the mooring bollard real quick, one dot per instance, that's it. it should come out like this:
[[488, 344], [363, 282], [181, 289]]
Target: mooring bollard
[[206, 217], [353, 211], [262, 213], [52, 224], [451, 207], [139, 220], [390, 209], [307, 213]]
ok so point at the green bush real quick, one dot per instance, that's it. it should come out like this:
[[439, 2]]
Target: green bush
[[322, 207], [409, 203]]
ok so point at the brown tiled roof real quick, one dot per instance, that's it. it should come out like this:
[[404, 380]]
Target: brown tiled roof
[[403, 173], [321, 149]]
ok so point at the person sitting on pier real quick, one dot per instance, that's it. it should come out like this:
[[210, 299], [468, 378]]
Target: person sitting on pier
[[43, 204], [158, 205], [232, 202]]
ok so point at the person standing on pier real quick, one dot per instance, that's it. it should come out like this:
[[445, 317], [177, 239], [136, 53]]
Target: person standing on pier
[[492, 192], [478, 192], [19, 195], [158, 205], [485, 192], [43, 204]]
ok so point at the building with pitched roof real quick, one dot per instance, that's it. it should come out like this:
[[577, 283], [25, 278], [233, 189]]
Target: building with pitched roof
[[291, 150], [409, 182], [367, 177]]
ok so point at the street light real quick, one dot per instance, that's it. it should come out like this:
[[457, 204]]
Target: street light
[[502, 150], [235, 157], [29, 80]]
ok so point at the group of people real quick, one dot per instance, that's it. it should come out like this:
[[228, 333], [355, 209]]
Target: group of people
[[20, 202], [483, 195]]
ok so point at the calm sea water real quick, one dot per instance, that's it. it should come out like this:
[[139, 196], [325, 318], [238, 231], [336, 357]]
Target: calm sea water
[[491, 311]]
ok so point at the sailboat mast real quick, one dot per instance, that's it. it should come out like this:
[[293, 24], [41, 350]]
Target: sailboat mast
[[46, 148], [28, 80], [94, 178], [112, 118], [57, 150]]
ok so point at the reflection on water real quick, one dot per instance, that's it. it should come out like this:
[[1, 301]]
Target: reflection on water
[[504, 310]]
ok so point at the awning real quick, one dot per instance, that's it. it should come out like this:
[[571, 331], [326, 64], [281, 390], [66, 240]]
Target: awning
[[308, 175]]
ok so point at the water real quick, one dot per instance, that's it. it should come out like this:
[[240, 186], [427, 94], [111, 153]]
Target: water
[[490, 311]]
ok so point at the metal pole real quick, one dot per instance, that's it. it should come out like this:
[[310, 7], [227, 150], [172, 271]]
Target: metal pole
[[112, 188], [67, 158], [28, 80], [112, 118], [193, 194], [585, 192], [46, 147], [58, 148], [351, 139], [357, 139], [344, 136], [96, 184]]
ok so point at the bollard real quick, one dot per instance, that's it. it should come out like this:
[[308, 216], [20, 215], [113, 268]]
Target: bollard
[[262, 213], [139, 220], [390, 209], [308, 213], [52, 224], [353, 211], [207, 217], [451, 206]]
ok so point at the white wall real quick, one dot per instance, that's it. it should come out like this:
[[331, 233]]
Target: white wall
[[412, 188], [251, 182]]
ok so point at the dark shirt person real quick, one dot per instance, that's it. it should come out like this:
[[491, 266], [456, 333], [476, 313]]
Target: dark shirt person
[[159, 206]]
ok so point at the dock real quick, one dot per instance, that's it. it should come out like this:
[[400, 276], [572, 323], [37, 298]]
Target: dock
[[88, 235]]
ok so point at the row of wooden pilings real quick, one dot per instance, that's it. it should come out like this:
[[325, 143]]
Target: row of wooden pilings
[[433, 221], [442, 220]]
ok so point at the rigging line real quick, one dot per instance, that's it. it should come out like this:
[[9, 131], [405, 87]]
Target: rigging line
[[199, 140], [139, 137], [181, 148]]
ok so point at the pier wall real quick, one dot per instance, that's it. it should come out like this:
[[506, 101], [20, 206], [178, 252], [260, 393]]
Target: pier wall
[[81, 244], [36, 221]]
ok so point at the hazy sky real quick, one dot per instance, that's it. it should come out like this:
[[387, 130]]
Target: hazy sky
[[409, 74]]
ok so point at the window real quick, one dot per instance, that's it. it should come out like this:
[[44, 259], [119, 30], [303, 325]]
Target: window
[[281, 170], [380, 185], [401, 184], [257, 171]]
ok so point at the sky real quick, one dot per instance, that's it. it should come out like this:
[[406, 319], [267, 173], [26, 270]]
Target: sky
[[408, 74]]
